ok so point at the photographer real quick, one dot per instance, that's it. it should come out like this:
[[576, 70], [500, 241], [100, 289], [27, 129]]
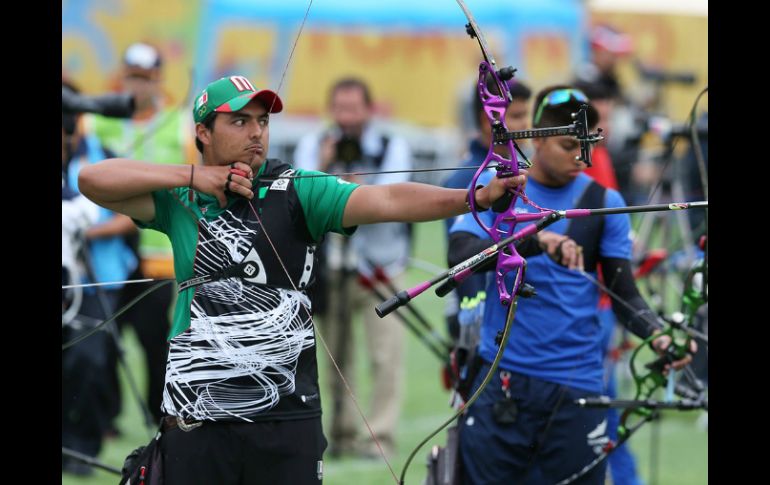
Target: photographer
[[93, 248], [354, 144]]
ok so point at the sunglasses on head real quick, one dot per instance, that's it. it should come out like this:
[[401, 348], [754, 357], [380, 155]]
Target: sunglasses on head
[[560, 96]]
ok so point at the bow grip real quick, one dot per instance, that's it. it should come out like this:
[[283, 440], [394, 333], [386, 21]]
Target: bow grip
[[399, 299], [503, 203], [673, 352]]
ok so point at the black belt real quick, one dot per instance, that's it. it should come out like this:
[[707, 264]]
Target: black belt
[[171, 422]]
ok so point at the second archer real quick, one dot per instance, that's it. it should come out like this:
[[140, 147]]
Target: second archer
[[553, 355]]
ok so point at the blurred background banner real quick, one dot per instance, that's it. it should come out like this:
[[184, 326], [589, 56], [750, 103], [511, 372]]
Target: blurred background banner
[[415, 55], [670, 37]]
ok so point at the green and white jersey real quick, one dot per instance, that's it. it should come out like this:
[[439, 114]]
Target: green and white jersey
[[244, 349]]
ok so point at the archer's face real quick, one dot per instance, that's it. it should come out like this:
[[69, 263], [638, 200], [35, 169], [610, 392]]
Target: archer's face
[[242, 136], [555, 162]]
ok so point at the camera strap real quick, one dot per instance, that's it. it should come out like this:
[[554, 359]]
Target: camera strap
[[381, 156], [373, 162]]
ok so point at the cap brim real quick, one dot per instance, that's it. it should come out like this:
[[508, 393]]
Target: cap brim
[[269, 99]]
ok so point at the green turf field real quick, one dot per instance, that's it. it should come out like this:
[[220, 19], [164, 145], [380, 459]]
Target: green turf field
[[681, 447]]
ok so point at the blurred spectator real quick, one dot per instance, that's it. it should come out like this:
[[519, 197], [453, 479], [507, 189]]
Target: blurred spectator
[[97, 252], [599, 79], [162, 134], [355, 144]]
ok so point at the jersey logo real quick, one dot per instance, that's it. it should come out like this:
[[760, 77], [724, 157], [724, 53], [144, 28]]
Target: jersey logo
[[256, 267], [283, 183], [250, 269]]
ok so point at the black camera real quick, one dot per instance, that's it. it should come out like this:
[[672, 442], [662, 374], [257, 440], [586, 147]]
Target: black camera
[[652, 74], [113, 105], [349, 150]]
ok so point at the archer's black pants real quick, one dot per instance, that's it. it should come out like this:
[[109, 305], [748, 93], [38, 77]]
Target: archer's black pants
[[262, 453]]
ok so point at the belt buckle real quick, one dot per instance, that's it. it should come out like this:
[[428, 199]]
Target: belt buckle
[[187, 427]]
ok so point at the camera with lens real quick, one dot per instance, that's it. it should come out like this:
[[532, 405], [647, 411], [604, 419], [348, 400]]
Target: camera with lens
[[348, 149], [112, 105]]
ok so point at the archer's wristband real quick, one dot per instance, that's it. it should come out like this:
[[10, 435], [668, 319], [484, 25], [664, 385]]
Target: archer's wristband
[[476, 203]]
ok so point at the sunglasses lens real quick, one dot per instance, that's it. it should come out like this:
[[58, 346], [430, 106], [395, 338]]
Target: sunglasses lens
[[580, 96], [564, 95], [559, 97]]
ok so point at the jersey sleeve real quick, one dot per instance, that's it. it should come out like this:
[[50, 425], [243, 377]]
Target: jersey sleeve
[[162, 199], [323, 201]]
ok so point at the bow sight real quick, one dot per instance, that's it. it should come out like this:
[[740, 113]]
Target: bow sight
[[578, 129]]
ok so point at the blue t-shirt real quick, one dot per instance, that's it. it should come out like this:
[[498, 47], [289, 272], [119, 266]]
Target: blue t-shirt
[[556, 335], [461, 179]]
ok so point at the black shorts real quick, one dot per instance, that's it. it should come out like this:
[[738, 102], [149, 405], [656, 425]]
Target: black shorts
[[270, 452]]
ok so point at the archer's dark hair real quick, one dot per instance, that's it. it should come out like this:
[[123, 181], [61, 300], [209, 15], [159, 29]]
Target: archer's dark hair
[[560, 114], [208, 122], [594, 90], [519, 92]]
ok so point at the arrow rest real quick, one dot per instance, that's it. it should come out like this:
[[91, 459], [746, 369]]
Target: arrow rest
[[526, 291], [506, 73], [470, 31]]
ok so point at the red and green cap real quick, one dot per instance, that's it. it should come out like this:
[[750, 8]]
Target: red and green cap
[[230, 94]]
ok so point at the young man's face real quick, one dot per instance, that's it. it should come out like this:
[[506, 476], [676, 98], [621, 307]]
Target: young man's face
[[604, 59], [555, 160], [144, 85], [242, 136], [516, 119], [517, 116], [349, 110]]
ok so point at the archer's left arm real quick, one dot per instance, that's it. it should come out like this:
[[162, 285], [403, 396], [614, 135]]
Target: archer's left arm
[[416, 202], [633, 312]]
